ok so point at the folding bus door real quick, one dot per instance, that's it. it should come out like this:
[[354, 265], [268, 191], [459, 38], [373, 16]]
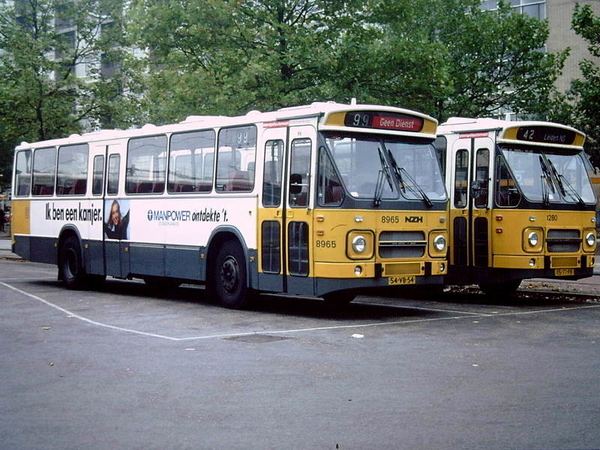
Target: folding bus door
[[471, 198], [116, 215], [298, 225], [285, 216], [94, 245], [271, 210]]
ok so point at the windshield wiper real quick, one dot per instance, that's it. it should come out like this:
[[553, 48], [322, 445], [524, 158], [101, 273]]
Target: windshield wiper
[[384, 172], [413, 186], [562, 182], [546, 180]]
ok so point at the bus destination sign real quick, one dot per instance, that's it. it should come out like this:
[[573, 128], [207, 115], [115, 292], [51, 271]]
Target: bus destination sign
[[546, 135], [383, 121]]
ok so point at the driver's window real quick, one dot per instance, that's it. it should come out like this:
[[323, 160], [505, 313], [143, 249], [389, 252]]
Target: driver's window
[[507, 193], [329, 188]]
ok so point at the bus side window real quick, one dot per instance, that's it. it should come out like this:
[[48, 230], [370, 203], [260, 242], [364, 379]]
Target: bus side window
[[299, 172], [191, 158], [98, 175], [23, 174], [461, 173], [112, 186], [72, 170], [146, 165], [235, 159], [44, 171], [272, 173], [507, 193]]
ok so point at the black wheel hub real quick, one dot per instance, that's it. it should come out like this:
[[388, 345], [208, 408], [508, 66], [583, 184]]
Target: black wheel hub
[[230, 274]]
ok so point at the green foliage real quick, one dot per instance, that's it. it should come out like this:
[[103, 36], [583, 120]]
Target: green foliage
[[228, 57], [443, 57], [496, 63], [45, 44], [585, 92]]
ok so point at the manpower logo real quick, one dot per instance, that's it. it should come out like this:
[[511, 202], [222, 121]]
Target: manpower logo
[[186, 215]]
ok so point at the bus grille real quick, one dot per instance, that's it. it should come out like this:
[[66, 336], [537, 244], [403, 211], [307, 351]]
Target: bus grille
[[402, 244], [563, 241]]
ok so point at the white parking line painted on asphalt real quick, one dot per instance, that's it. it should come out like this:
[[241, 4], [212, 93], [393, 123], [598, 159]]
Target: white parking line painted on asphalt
[[294, 330], [84, 319], [424, 309]]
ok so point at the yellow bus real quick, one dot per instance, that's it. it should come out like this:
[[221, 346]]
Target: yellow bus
[[322, 200], [520, 200]]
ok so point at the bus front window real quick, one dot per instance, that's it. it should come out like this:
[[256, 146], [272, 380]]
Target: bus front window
[[546, 176], [359, 162], [572, 177], [422, 176]]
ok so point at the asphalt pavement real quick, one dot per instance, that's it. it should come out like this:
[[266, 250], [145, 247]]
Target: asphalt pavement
[[129, 367]]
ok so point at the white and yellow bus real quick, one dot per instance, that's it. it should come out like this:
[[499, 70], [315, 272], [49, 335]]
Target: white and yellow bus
[[321, 200], [521, 202]]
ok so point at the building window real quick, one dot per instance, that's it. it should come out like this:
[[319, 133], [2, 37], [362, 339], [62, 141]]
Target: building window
[[533, 8]]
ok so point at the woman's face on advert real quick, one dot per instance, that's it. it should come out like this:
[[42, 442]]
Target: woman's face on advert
[[115, 214]]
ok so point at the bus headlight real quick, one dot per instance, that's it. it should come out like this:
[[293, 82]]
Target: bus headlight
[[533, 238], [439, 243], [359, 244], [590, 240]]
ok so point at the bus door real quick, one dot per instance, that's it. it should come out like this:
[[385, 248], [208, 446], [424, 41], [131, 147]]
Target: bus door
[[285, 215], [271, 210], [94, 246], [471, 199], [298, 213], [116, 250]]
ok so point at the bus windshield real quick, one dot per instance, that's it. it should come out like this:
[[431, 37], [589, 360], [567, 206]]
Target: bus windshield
[[548, 176], [362, 160]]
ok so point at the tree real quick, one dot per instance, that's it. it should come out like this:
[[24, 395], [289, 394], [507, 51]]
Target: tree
[[443, 57], [489, 62], [45, 44], [228, 57], [586, 91]]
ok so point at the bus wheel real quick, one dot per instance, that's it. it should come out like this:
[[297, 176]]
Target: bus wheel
[[500, 290], [229, 281], [70, 264]]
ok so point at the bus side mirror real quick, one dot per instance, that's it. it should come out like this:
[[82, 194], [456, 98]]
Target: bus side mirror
[[295, 183]]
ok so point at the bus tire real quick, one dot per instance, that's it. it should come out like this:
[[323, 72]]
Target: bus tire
[[70, 264], [229, 280]]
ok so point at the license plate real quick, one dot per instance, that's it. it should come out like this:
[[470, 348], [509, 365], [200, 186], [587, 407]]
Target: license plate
[[564, 272], [392, 281]]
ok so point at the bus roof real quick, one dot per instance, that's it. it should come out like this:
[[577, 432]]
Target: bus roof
[[275, 118], [516, 132]]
